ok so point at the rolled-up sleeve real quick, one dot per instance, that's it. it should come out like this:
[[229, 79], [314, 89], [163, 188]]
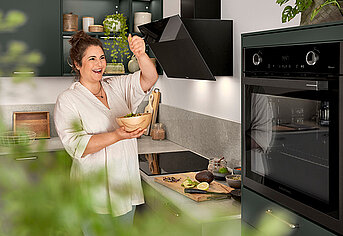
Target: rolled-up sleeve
[[69, 128]]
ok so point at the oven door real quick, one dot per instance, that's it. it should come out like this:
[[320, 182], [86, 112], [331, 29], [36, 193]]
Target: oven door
[[291, 144]]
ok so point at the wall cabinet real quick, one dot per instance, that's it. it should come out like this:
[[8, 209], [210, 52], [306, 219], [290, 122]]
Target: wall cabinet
[[43, 31], [99, 10], [40, 33]]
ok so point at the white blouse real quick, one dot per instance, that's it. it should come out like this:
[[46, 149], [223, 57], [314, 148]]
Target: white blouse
[[78, 107]]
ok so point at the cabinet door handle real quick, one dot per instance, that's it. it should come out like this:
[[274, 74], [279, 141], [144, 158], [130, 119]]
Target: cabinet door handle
[[175, 213], [103, 37], [111, 37], [311, 85], [26, 158], [292, 226], [23, 72]]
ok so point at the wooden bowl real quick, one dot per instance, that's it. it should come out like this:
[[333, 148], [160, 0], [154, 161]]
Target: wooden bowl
[[133, 123], [95, 28]]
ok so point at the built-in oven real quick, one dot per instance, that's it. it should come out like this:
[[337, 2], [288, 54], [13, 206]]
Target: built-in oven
[[292, 124]]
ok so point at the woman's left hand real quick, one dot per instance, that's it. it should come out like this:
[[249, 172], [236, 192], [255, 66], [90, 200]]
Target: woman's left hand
[[137, 45]]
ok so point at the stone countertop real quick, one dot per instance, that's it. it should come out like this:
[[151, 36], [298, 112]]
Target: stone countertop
[[145, 145]]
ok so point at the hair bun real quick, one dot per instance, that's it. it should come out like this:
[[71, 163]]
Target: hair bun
[[80, 35]]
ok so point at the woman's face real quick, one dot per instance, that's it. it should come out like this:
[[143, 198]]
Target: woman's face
[[93, 64]]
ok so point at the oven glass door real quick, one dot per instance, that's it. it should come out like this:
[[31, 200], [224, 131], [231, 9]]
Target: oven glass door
[[291, 139]]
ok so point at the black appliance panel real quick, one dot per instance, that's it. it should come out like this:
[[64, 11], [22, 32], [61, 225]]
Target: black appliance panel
[[217, 51], [291, 128], [175, 50], [171, 163], [299, 60]]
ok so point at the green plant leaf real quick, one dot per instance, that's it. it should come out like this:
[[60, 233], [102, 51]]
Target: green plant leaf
[[287, 14], [281, 2]]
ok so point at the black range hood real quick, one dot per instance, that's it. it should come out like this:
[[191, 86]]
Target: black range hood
[[191, 48]]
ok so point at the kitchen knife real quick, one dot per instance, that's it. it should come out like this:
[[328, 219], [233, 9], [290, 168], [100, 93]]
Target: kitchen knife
[[198, 191]]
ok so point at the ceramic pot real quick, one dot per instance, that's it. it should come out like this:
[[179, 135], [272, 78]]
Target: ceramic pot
[[328, 13], [133, 65], [86, 22], [70, 22], [141, 18], [112, 24]]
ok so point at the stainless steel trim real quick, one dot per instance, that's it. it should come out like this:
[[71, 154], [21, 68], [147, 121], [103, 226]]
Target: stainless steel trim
[[290, 225], [287, 83], [66, 37], [26, 158]]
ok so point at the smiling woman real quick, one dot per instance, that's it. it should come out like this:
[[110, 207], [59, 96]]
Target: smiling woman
[[85, 122], [85, 49]]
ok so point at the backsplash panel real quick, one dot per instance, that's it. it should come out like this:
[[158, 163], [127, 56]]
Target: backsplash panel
[[206, 135]]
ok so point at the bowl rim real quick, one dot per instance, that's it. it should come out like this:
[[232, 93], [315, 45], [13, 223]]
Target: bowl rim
[[228, 177], [133, 117]]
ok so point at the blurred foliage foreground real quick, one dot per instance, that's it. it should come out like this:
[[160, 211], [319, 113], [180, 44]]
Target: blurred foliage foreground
[[38, 198], [44, 201]]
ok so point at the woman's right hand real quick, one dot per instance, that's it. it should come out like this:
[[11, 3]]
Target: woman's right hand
[[123, 134]]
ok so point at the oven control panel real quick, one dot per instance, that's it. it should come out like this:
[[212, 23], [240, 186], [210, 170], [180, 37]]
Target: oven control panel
[[304, 60]]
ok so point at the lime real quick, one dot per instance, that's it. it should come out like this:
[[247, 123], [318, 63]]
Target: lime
[[188, 183], [203, 186], [223, 170]]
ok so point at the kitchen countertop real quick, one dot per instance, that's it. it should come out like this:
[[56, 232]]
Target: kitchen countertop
[[203, 212], [145, 145]]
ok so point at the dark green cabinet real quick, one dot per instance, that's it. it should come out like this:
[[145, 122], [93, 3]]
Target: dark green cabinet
[[258, 212], [41, 33], [99, 10]]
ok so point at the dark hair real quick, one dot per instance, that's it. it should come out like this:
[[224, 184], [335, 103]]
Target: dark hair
[[79, 42]]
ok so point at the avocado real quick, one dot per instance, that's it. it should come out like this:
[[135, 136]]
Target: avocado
[[204, 176]]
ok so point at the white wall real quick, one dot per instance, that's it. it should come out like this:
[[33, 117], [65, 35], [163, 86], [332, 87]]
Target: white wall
[[38, 90], [219, 98], [222, 98]]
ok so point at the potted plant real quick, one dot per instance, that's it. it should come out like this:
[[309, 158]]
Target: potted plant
[[313, 11], [115, 30]]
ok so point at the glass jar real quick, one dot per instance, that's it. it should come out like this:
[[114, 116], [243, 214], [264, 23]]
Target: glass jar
[[215, 164], [158, 132]]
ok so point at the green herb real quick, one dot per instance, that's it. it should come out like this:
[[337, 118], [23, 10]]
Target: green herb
[[133, 115], [117, 43]]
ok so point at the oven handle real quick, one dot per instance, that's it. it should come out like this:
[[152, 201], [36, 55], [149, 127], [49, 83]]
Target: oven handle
[[290, 225], [287, 83]]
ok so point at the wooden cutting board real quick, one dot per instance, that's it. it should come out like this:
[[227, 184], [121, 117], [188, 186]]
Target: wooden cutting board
[[155, 104], [176, 186], [149, 109]]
